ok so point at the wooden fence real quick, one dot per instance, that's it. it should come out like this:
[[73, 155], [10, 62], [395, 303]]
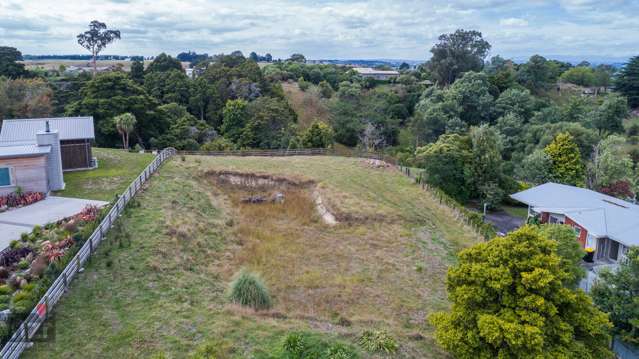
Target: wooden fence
[[27, 329]]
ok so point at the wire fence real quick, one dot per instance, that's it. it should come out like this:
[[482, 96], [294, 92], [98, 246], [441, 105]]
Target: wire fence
[[28, 328]]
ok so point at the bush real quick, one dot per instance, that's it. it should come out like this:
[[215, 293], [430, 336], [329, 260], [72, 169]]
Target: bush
[[378, 341], [4, 289], [248, 289], [301, 345]]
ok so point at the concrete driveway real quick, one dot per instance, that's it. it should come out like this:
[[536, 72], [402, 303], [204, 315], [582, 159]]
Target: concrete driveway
[[52, 209]]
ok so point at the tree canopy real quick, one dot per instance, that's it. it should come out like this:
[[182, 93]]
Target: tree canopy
[[457, 53], [627, 82], [509, 301], [9, 65]]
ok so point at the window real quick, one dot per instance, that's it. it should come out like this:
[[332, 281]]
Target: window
[[5, 176], [577, 231]]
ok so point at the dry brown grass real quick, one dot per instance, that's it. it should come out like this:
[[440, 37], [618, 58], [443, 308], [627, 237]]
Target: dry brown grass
[[308, 104]]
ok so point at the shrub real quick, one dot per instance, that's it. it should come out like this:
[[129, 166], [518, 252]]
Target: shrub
[[4, 290], [301, 345], [23, 264], [248, 289], [340, 351], [378, 341]]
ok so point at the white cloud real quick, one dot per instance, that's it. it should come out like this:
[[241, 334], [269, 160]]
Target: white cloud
[[323, 28], [513, 21]]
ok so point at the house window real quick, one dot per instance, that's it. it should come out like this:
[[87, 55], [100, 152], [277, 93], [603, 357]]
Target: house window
[[577, 231], [5, 176]]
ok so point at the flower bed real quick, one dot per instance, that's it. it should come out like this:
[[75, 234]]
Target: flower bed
[[30, 265], [19, 199]]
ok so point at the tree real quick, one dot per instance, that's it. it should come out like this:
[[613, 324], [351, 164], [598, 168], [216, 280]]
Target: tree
[[580, 76], [9, 65], [457, 53], [608, 117], [268, 57], [472, 95], [253, 56], [137, 72], [185, 132], [447, 165], [164, 63], [610, 163], [404, 66], [235, 118], [271, 124], [536, 168], [567, 167], [627, 82], [96, 39], [568, 249], [325, 89], [535, 74], [125, 123], [25, 98], [110, 94], [509, 301], [486, 162], [297, 58], [318, 135], [168, 86], [371, 137], [616, 293], [516, 101]]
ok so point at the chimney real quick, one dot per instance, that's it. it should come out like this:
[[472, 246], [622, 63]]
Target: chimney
[[54, 159]]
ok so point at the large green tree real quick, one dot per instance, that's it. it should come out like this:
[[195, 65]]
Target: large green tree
[[567, 167], [111, 94], [617, 293], [9, 65], [171, 86], [611, 163], [473, 96], [25, 98], [486, 163], [164, 63], [457, 53], [447, 165], [235, 119], [509, 301], [608, 117], [627, 81], [271, 124], [535, 74]]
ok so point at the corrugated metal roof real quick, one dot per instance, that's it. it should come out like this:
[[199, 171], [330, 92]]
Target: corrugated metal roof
[[69, 128], [600, 214], [23, 151]]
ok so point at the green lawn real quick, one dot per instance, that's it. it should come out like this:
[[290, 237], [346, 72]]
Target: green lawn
[[116, 169], [157, 286]]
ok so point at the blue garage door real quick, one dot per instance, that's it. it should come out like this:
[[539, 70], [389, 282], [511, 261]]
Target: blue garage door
[[5, 176]]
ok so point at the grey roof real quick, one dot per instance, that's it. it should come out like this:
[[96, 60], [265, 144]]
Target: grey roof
[[23, 151], [24, 130], [601, 215]]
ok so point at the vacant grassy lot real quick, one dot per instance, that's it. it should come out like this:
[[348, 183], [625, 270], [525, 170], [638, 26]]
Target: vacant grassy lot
[[157, 287], [116, 169]]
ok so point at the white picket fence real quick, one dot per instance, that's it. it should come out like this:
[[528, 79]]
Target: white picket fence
[[28, 328]]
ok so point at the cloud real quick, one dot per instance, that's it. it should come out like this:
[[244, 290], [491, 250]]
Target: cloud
[[513, 21], [324, 28]]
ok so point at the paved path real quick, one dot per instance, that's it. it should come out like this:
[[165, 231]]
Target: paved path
[[504, 222], [17, 221]]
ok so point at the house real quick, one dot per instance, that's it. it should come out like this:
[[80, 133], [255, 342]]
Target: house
[[604, 223], [32, 167], [383, 75], [76, 135]]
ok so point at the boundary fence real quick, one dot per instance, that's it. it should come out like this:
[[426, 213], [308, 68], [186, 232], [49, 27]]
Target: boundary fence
[[28, 328]]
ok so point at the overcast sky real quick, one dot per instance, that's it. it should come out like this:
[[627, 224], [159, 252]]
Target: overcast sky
[[404, 29]]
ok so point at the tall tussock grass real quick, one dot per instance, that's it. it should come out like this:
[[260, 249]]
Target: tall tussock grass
[[249, 290]]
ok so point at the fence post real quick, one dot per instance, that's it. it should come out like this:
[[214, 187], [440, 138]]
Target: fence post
[[26, 328]]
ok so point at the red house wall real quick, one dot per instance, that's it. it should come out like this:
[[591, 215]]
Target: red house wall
[[582, 235], [545, 216]]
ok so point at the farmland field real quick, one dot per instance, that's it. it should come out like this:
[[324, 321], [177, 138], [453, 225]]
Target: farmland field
[[158, 286]]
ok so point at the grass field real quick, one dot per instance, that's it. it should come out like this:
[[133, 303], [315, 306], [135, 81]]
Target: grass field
[[116, 169], [157, 286], [308, 104]]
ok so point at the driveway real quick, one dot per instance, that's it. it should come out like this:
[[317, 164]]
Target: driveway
[[504, 222], [52, 209]]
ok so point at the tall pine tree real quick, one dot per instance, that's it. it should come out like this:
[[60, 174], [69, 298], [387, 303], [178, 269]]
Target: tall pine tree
[[627, 82]]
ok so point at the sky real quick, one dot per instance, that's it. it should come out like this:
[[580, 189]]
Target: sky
[[324, 29]]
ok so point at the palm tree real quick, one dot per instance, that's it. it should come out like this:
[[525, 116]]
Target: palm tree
[[125, 123]]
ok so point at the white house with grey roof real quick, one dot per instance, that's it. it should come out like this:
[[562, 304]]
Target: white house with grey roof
[[607, 224], [383, 75], [76, 136], [32, 167]]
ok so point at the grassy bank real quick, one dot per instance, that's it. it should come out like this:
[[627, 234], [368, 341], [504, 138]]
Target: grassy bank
[[116, 169], [157, 287]]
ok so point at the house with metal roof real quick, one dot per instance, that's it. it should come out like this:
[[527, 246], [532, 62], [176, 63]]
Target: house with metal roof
[[32, 167], [383, 75], [606, 224], [76, 136]]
